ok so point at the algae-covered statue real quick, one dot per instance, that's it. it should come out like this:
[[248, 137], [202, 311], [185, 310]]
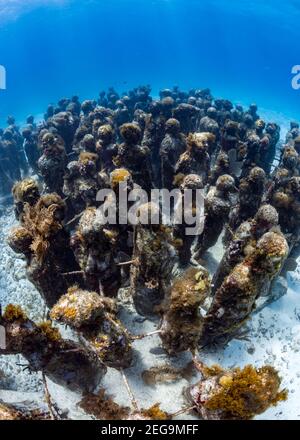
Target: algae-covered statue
[[95, 249], [44, 242], [94, 317], [65, 362], [195, 160], [235, 299], [235, 394], [154, 258], [182, 324], [244, 241]]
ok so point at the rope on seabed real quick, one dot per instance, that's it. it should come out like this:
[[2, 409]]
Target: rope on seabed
[[54, 415], [130, 393]]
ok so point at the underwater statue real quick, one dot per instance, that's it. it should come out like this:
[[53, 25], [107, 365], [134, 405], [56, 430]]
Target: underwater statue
[[44, 242], [106, 147], [186, 114], [10, 156], [171, 148], [30, 146], [94, 318], [95, 249], [183, 241], [209, 122], [235, 394], [25, 192], [244, 241], [250, 193], [65, 124], [154, 258], [195, 160], [235, 299], [134, 157], [218, 203], [52, 162], [82, 182], [153, 136], [182, 324], [220, 167], [63, 361]]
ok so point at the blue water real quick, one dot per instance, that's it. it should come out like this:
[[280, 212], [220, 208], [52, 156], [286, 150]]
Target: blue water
[[243, 50]]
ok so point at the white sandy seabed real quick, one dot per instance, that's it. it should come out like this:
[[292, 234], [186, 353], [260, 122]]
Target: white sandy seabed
[[273, 338]]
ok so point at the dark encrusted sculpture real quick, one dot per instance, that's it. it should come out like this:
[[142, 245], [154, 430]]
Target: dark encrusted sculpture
[[235, 299], [235, 394], [65, 362], [94, 317], [95, 250], [244, 241], [154, 260], [52, 162], [44, 242], [182, 325], [218, 203]]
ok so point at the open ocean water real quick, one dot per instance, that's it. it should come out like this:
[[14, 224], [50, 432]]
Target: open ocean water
[[243, 50]]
